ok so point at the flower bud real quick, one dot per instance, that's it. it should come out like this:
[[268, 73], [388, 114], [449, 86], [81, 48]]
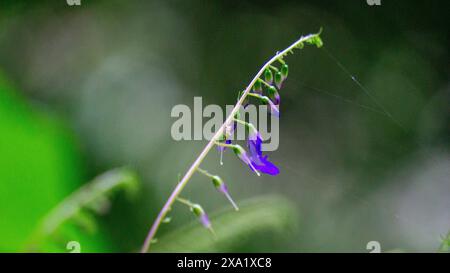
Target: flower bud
[[217, 181], [257, 87], [222, 137], [273, 94], [284, 71], [242, 154], [278, 80], [273, 108], [238, 150], [201, 214], [318, 42], [222, 187], [268, 76]]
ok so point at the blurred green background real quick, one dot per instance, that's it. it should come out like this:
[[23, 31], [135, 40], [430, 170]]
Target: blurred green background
[[84, 89]]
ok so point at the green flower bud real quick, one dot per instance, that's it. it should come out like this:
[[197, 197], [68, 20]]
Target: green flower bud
[[318, 42], [257, 87], [197, 210], [221, 187], [265, 100], [238, 150], [278, 81], [272, 90], [202, 216], [268, 76], [284, 71], [217, 181]]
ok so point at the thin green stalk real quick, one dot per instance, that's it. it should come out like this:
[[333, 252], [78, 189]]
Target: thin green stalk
[[265, 83], [274, 68], [205, 172], [185, 202]]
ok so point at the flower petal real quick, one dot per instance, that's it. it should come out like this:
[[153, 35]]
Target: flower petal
[[260, 162]]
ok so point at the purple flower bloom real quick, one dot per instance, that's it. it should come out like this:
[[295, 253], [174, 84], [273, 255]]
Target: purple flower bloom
[[260, 162]]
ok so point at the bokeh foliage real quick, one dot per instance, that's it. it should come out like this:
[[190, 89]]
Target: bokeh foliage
[[257, 219]]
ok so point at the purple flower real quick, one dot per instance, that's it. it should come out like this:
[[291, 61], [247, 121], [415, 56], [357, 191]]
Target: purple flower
[[260, 162]]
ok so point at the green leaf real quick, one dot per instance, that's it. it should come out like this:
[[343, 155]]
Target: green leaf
[[76, 208], [264, 214]]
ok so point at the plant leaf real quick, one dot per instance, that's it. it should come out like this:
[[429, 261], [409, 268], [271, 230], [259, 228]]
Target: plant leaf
[[92, 197], [272, 214]]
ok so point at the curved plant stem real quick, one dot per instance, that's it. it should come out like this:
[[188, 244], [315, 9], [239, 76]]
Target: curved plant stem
[[180, 186]]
